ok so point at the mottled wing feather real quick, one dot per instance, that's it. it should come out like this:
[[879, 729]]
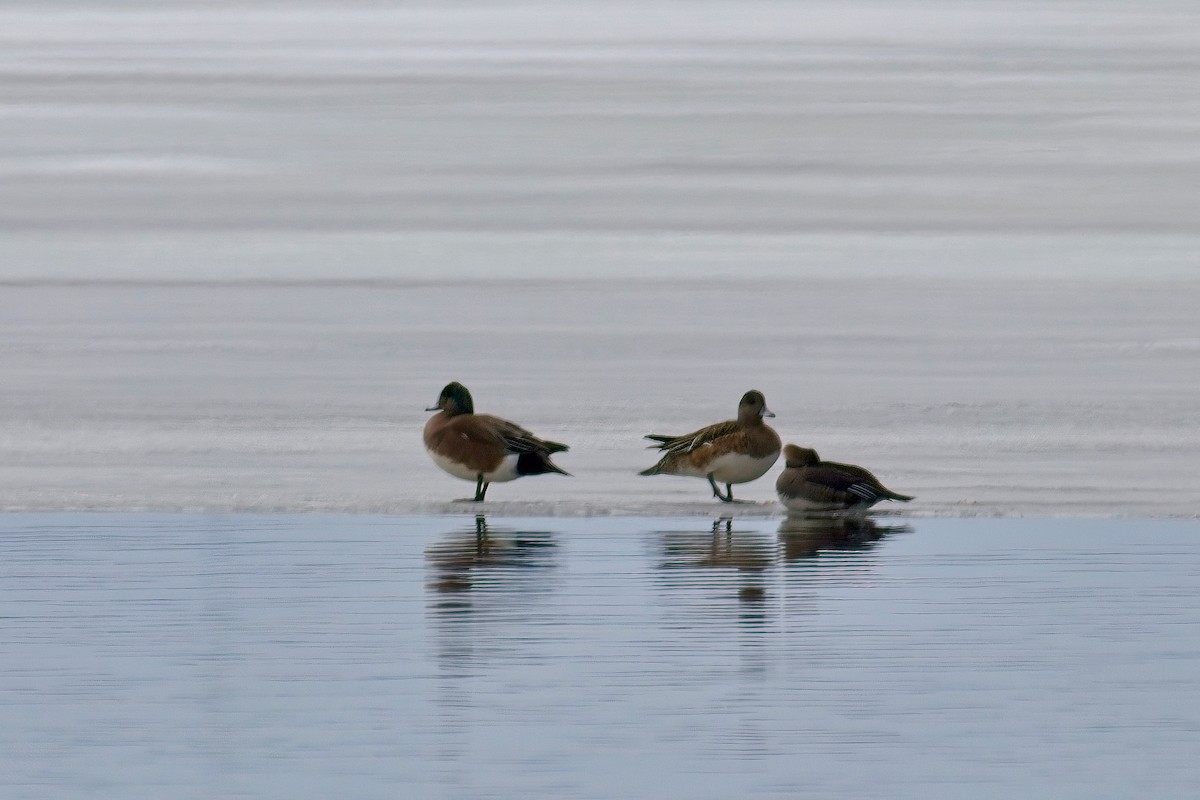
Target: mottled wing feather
[[678, 445]]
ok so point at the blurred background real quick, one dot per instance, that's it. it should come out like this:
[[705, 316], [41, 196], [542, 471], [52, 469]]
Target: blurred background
[[294, 140], [243, 245]]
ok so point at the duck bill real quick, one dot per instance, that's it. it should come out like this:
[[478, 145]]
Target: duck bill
[[768, 412]]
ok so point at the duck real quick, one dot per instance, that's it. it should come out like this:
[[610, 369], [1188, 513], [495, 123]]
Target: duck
[[737, 451], [483, 448], [809, 484]]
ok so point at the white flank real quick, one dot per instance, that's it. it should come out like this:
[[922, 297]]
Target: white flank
[[738, 468], [506, 472]]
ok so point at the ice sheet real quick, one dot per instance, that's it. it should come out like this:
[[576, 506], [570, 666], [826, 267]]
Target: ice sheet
[[123, 119], [241, 246], [1043, 397]]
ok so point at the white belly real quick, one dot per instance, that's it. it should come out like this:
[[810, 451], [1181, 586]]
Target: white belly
[[507, 470], [737, 468]]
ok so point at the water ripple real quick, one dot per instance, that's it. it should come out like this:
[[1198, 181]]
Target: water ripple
[[201, 656]]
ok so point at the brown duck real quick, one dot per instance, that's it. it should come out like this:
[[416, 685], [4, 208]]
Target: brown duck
[[809, 484], [737, 451], [483, 448]]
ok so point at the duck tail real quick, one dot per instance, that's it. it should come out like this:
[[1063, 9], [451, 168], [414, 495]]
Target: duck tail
[[556, 469], [663, 467], [538, 464], [554, 447], [903, 498]]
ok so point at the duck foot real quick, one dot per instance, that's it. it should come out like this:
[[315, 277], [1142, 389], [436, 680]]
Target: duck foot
[[724, 498]]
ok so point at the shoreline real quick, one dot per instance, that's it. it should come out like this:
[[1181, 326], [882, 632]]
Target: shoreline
[[523, 510]]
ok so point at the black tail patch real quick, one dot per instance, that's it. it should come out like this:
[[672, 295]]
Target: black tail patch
[[537, 464]]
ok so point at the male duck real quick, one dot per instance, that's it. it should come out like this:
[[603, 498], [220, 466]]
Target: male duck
[[483, 448]]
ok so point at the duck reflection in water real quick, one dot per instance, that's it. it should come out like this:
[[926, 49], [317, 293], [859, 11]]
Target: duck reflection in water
[[720, 546], [805, 536], [746, 554], [480, 558], [489, 593]]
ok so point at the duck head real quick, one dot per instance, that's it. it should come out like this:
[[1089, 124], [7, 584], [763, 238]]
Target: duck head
[[454, 400]]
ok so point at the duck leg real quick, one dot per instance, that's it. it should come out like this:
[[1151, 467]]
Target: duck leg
[[724, 498], [480, 488]]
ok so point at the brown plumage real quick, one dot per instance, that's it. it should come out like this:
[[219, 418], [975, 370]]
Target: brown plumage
[[807, 483], [736, 451], [483, 448]]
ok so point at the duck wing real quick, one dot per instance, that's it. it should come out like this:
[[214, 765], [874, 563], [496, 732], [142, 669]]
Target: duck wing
[[518, 440], [857, 483], [677, 445]]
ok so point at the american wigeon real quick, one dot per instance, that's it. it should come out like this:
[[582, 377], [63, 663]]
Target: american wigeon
[[809, 484], [737, 451], [483, 448]]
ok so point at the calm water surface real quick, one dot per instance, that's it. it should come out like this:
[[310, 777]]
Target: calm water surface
[[444, 657]]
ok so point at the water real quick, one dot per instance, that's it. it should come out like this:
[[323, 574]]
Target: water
[[309, 655]]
